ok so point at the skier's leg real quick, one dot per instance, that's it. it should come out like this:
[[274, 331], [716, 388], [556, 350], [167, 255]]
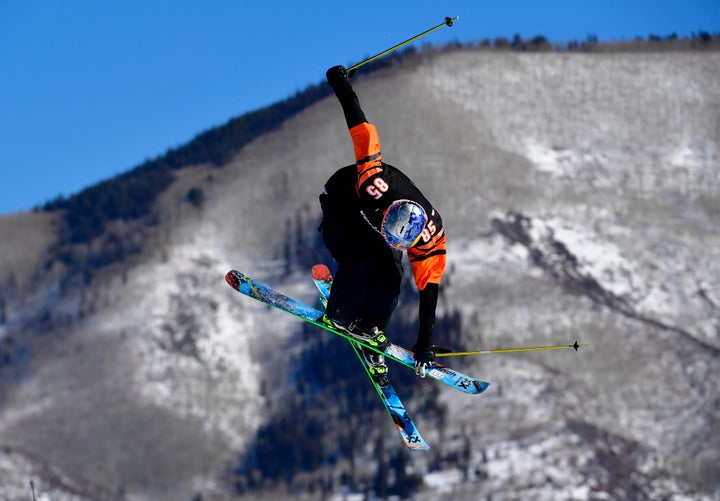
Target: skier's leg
[[384, 289], [348, 301], [349, 290], [382, 299]]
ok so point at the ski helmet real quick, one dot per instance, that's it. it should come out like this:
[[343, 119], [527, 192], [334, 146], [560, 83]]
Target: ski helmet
[[402, 224]]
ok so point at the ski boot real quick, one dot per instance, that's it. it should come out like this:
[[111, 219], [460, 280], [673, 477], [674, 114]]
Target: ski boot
[[370, 336], [377, 367]]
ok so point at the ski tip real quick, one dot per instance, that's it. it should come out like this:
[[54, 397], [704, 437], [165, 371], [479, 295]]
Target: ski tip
[[321, 272], [481, 386], [232, 279]]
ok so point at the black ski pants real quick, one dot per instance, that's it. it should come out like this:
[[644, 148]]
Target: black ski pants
[[366, 288]]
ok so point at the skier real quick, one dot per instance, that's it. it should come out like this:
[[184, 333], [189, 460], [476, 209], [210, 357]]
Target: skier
[[371, 213]]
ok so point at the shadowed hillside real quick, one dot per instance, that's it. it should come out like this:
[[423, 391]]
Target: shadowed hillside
[[579, 190]]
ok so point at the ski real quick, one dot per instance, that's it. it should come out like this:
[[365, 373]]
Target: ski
[[249, 287], [389, 397]]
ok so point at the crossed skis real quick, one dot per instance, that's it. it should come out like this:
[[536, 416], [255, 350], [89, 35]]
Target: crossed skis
[[388, 396], [323, 280]]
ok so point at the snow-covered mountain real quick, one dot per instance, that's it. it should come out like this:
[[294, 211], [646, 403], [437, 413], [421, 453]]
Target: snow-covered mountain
[[581, 197]]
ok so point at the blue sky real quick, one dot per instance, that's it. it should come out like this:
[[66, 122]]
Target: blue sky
[[90, 89]]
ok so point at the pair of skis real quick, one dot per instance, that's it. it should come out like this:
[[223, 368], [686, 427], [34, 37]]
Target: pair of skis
[[323, 280], [388, 396]]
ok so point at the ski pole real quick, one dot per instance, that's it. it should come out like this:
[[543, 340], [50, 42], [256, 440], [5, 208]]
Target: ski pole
[[443, 353], [448, 22]]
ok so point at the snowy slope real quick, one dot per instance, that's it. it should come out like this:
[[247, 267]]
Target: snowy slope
[[580, 193]]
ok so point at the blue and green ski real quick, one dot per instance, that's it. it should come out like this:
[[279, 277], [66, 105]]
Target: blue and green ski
[[249, 287], [389, 397]]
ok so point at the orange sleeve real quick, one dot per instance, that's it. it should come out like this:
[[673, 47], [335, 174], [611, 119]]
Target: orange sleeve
[[367, 150], [428, 264]]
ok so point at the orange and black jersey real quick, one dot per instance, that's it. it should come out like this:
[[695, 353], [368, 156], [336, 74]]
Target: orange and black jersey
[[378, 185]]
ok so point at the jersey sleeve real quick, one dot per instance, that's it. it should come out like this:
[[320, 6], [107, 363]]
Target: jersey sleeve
[[375, 189], [368, 155], [428, 260]]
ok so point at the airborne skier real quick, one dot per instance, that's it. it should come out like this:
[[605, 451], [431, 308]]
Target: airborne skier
[[371, 213]]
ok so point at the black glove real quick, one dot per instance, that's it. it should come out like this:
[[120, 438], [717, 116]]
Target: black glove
[[336, 75], [422, 360]]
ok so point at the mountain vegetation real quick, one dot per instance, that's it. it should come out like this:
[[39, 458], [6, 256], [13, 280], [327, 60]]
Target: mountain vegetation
[[579, 187]]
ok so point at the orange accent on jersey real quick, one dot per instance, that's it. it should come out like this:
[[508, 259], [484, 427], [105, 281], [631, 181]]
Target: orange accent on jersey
[[367, 149], [367, 175], [437, 242], [428, 261]]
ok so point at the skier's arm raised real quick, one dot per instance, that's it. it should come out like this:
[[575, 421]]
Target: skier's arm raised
[[337, 78], [366, 141]]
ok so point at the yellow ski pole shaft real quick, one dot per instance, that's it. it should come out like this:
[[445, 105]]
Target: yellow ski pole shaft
[[448, 22], [513, 350]]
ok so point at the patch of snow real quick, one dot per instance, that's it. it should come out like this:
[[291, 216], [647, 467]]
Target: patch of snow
[[443, 481], [220, 383], [559, 163], [16, 473], [695, 155], [600, 259], [605, 262]]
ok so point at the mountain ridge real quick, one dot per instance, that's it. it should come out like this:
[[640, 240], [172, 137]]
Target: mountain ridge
[[610, 162]]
